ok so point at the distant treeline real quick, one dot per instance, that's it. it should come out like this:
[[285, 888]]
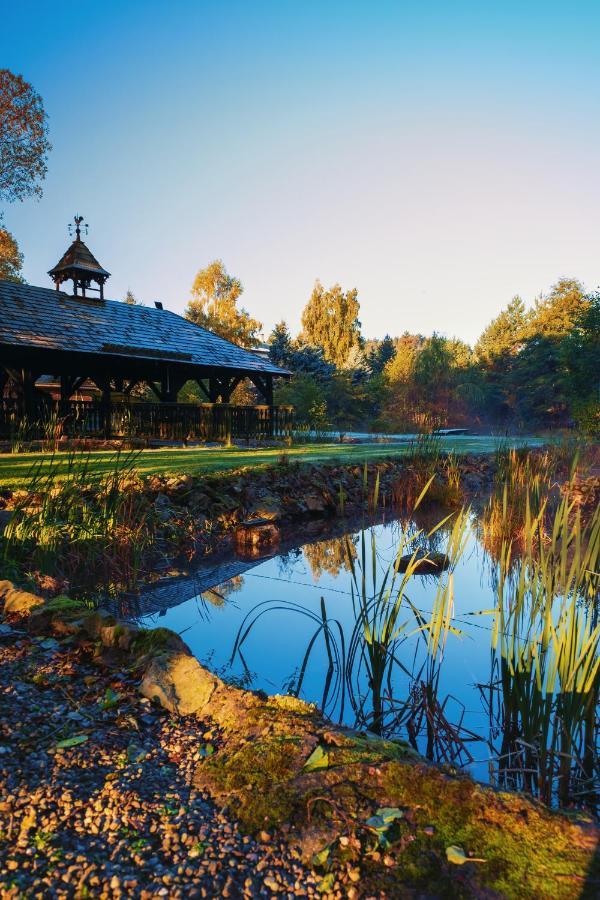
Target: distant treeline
[[534, 368]]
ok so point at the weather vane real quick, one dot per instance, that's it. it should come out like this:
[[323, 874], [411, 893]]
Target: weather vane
[[78, 223]]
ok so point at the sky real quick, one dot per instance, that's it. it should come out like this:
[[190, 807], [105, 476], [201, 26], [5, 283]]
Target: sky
[[440, 157]]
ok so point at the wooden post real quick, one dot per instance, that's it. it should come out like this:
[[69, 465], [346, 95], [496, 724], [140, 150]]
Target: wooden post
[[28, 382], [104, 385]]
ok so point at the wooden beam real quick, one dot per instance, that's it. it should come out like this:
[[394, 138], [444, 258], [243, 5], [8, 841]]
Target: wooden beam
[[202, 387], [155, 389], [264, 383]]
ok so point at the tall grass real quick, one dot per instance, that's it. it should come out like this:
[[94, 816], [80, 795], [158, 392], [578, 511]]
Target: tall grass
[[545, 658], [85, 530], [386, 618]]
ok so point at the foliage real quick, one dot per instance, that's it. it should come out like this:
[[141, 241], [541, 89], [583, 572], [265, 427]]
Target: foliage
[[504, 335], [24, 144], [379, 354], [11, 258], [86, 530], [330, 321], [131, 299], [307, 397], [213, 305], [545, 644]]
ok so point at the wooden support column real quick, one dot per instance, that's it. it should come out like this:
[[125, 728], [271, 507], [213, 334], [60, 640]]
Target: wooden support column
[[28, 379], [106, 409], [203, 388], [264, 383], [228, 386], [103, 383]]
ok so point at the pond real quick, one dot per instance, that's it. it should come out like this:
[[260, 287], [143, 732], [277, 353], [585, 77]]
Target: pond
[[304, 622]]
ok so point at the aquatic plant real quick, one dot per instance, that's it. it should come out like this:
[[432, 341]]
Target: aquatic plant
[[386, 617], [543, 693]]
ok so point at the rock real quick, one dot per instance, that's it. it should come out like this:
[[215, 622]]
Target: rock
[[315, 503], [5, 587], [102, 626], [267, 507], [5, 517], [16, 601], [164, 508], [472, 482], [425, 564], [256, 538], [178, 682]]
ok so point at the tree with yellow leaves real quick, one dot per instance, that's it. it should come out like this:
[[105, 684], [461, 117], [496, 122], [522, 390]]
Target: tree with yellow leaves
[[11, 258], [213, 305]]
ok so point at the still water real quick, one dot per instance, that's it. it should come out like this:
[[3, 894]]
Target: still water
[[292, 623]]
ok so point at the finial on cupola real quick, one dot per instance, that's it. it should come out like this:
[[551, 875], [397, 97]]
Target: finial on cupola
[[79, 265], [78, 223]]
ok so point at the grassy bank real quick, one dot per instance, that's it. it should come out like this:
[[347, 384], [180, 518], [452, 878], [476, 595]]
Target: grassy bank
[[15, 469]]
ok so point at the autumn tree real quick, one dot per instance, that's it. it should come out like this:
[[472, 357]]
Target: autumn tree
[[505, 334], [24, 144], [213, 305], [11, 259], [555, 314], [330, 320], [131, 300]]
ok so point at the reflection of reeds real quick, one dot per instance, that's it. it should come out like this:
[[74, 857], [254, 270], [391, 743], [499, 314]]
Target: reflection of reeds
[[545, 658]]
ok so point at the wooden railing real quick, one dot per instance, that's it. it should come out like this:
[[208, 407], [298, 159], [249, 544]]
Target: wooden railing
[[163, 421]]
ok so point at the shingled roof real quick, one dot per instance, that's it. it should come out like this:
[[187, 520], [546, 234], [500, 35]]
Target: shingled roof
[[79, 256], [47, 319]]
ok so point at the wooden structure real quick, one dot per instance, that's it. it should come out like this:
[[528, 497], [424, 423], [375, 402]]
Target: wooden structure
[[78, 338]]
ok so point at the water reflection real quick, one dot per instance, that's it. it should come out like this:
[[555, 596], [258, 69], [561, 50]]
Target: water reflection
[[441, 660]]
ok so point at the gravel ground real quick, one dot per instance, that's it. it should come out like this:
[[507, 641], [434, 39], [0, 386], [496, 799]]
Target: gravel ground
[[111, 813]]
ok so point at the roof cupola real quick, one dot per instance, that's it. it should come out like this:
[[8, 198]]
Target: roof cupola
[[79, 265]]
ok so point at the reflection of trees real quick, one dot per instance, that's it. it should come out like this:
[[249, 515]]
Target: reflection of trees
[[219, 594], [330, 556]]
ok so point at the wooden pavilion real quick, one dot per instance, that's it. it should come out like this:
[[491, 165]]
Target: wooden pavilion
[[81, 338]]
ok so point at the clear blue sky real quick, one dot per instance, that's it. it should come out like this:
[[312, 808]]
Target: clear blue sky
[[438, 156]]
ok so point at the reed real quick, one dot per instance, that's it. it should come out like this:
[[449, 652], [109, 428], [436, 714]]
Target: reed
[[545, 658], [85, 530], [385, 617]]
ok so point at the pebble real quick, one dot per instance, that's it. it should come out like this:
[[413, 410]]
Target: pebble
[[105, 827]]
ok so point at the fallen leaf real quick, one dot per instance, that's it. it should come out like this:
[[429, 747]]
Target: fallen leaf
[[458, 856], [326, 884], [72, 741], [319, 859], [318, 759], [135, 753]]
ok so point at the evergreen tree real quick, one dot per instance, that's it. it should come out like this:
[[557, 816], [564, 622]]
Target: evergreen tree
[[380, 355], [280, 344]]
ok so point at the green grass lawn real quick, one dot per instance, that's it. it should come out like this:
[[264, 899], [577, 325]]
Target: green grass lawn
[[15, 468]]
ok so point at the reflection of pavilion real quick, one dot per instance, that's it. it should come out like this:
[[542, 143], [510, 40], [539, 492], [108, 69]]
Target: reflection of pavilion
[[170, 592]]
